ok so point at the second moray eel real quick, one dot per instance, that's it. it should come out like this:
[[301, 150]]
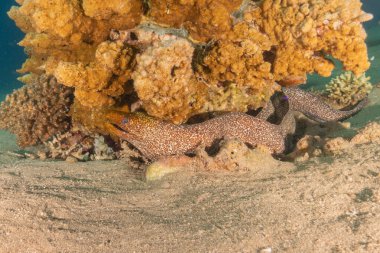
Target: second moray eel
[[315, 108]]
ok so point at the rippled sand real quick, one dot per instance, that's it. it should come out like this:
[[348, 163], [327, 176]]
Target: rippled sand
[[329, 204]]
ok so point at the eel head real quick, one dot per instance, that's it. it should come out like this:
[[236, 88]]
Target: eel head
[[130, 126]]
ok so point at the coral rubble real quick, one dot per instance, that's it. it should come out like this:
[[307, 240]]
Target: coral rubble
[[75, 145], [180, 58], [313, 145]]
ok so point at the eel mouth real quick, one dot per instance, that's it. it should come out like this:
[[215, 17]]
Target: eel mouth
[[114, 122], [119, 128]]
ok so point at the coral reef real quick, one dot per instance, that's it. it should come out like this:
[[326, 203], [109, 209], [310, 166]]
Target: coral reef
[[37, 111], [347, 89], [69, 30], [237, 66], [176, 59]]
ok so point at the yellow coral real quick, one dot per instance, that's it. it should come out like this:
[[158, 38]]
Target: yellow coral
[[46, 52], [238, 66], [59, 30], [304, 32], [164, 80], [213, 54], [113, 14], [205, 19], [98, 83], [91, 120]]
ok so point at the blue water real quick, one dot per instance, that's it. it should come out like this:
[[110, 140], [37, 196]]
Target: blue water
[[12, 56]]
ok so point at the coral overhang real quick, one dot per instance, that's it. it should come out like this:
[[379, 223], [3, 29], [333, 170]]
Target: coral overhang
[[179, 58]]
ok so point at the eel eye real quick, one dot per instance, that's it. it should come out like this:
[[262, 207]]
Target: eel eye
[[124, 121]]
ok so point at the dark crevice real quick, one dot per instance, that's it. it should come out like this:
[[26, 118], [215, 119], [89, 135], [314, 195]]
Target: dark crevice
[[214, 149], [173, 70], [200, 52], [133, 36], [146, 7], [270, 56]]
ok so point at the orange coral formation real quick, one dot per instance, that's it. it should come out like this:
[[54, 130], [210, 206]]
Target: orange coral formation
[[205, 19], [37, 111], [183, 57], [304, 32], [238, 64], [165, 82], [68, 30], [102, 80]]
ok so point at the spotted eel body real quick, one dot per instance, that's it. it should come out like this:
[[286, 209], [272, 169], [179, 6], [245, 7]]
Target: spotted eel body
[[315, 108], [156, 138]]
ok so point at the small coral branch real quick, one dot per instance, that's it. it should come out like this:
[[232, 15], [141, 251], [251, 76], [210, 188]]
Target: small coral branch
[[348, 89]]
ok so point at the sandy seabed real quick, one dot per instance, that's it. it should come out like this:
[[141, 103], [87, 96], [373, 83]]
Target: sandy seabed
[[327, 204]]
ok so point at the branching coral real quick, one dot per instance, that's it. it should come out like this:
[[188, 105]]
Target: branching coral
[[347, 89], [178, 58], [37, 111]]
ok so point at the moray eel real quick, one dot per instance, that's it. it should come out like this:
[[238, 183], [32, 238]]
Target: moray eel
[[315, 108], [277, 112], [271, 128], [295, 99], [280, 110], [156, 138]]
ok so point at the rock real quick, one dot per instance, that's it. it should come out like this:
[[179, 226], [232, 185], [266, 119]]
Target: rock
[[71, 159], [265, 250], [161, 168], [42, 155]]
